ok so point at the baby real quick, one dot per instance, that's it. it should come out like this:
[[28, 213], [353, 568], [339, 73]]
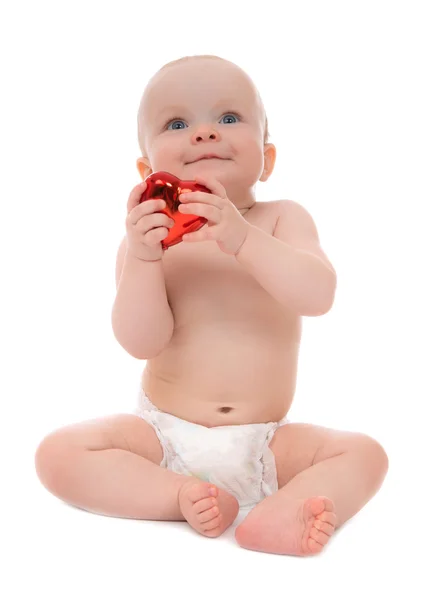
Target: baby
[[217, 317]]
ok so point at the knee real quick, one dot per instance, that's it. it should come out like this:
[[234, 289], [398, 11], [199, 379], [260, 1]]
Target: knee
[[375, 456], [376, 450], [246, 533], [50, 461]]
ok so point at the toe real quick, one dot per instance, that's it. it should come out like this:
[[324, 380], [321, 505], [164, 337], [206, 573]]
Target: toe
[[212, 524], [314, 546], [212, 490], [208, 515], [212, 533], [204, 504], [325, 527], [314, 506], [321, 504], [329, 506], [318, 536], [328, 517], [322, 508], [199, 491]]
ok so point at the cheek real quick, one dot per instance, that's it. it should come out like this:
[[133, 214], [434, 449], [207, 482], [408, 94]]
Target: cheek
[[249, 145], [251, 152], [165, 153]]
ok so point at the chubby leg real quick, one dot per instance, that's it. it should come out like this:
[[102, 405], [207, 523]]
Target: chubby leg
[[325, 477], [110, 466]]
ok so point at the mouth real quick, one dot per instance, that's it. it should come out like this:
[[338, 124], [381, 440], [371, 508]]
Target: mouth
[[207, 158]]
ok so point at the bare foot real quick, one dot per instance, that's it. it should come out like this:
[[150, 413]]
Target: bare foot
[[284, 526], [208, 514]]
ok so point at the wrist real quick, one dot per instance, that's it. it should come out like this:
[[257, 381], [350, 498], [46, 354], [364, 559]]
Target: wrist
[[247, 232], [138, 259]]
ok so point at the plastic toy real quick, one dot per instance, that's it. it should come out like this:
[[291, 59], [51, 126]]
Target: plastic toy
[[168, 187]]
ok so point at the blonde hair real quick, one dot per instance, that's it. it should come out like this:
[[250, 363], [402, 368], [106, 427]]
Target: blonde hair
[[176, 62]]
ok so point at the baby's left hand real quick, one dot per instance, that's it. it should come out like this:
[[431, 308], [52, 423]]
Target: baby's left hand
[[225, 223]]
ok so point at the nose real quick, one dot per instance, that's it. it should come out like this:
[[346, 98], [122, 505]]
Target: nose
[[205, 133]]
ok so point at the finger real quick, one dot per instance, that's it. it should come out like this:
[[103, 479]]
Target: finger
[[135, 195], [212, 184], [201, 197], [212, 213], [153, 236], [152, 221], [145, 208]]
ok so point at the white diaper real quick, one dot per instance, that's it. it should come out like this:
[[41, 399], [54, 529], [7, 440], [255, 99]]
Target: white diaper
[[236, 458]]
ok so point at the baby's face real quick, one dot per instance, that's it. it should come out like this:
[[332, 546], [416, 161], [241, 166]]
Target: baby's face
[[205, 107]]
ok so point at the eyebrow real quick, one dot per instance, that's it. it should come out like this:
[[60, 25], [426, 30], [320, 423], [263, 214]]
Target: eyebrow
[[176, 108], [170, 108]]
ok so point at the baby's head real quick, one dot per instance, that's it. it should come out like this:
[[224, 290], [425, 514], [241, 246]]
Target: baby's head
[[205, 105]]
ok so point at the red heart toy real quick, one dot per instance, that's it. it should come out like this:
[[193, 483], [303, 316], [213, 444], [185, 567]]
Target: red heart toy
[[168, 187]]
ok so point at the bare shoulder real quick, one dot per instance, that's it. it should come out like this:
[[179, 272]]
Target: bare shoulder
[[281, 214], [296, 226], [294, 212], [265, 213]]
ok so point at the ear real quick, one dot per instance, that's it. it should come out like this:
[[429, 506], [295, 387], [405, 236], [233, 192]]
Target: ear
[[269, 154], [143, 167]]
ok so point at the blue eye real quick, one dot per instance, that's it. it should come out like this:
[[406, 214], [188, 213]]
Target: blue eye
[[229, 115], [176, 120]]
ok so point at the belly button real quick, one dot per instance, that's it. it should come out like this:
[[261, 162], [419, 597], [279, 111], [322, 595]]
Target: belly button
[[225, 409]]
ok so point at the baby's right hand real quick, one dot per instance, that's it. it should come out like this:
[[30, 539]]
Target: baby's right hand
[[146, 228]]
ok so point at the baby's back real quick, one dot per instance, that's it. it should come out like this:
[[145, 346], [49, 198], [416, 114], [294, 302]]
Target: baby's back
[[233, 355]]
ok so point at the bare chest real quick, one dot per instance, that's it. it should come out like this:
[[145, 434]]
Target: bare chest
[[206, 287], [233, 343]]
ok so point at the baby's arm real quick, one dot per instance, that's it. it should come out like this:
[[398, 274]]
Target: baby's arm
[[291, 265], [142, 319], [296, 227]]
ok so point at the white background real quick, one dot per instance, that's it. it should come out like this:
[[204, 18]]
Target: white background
[[352, 93]]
